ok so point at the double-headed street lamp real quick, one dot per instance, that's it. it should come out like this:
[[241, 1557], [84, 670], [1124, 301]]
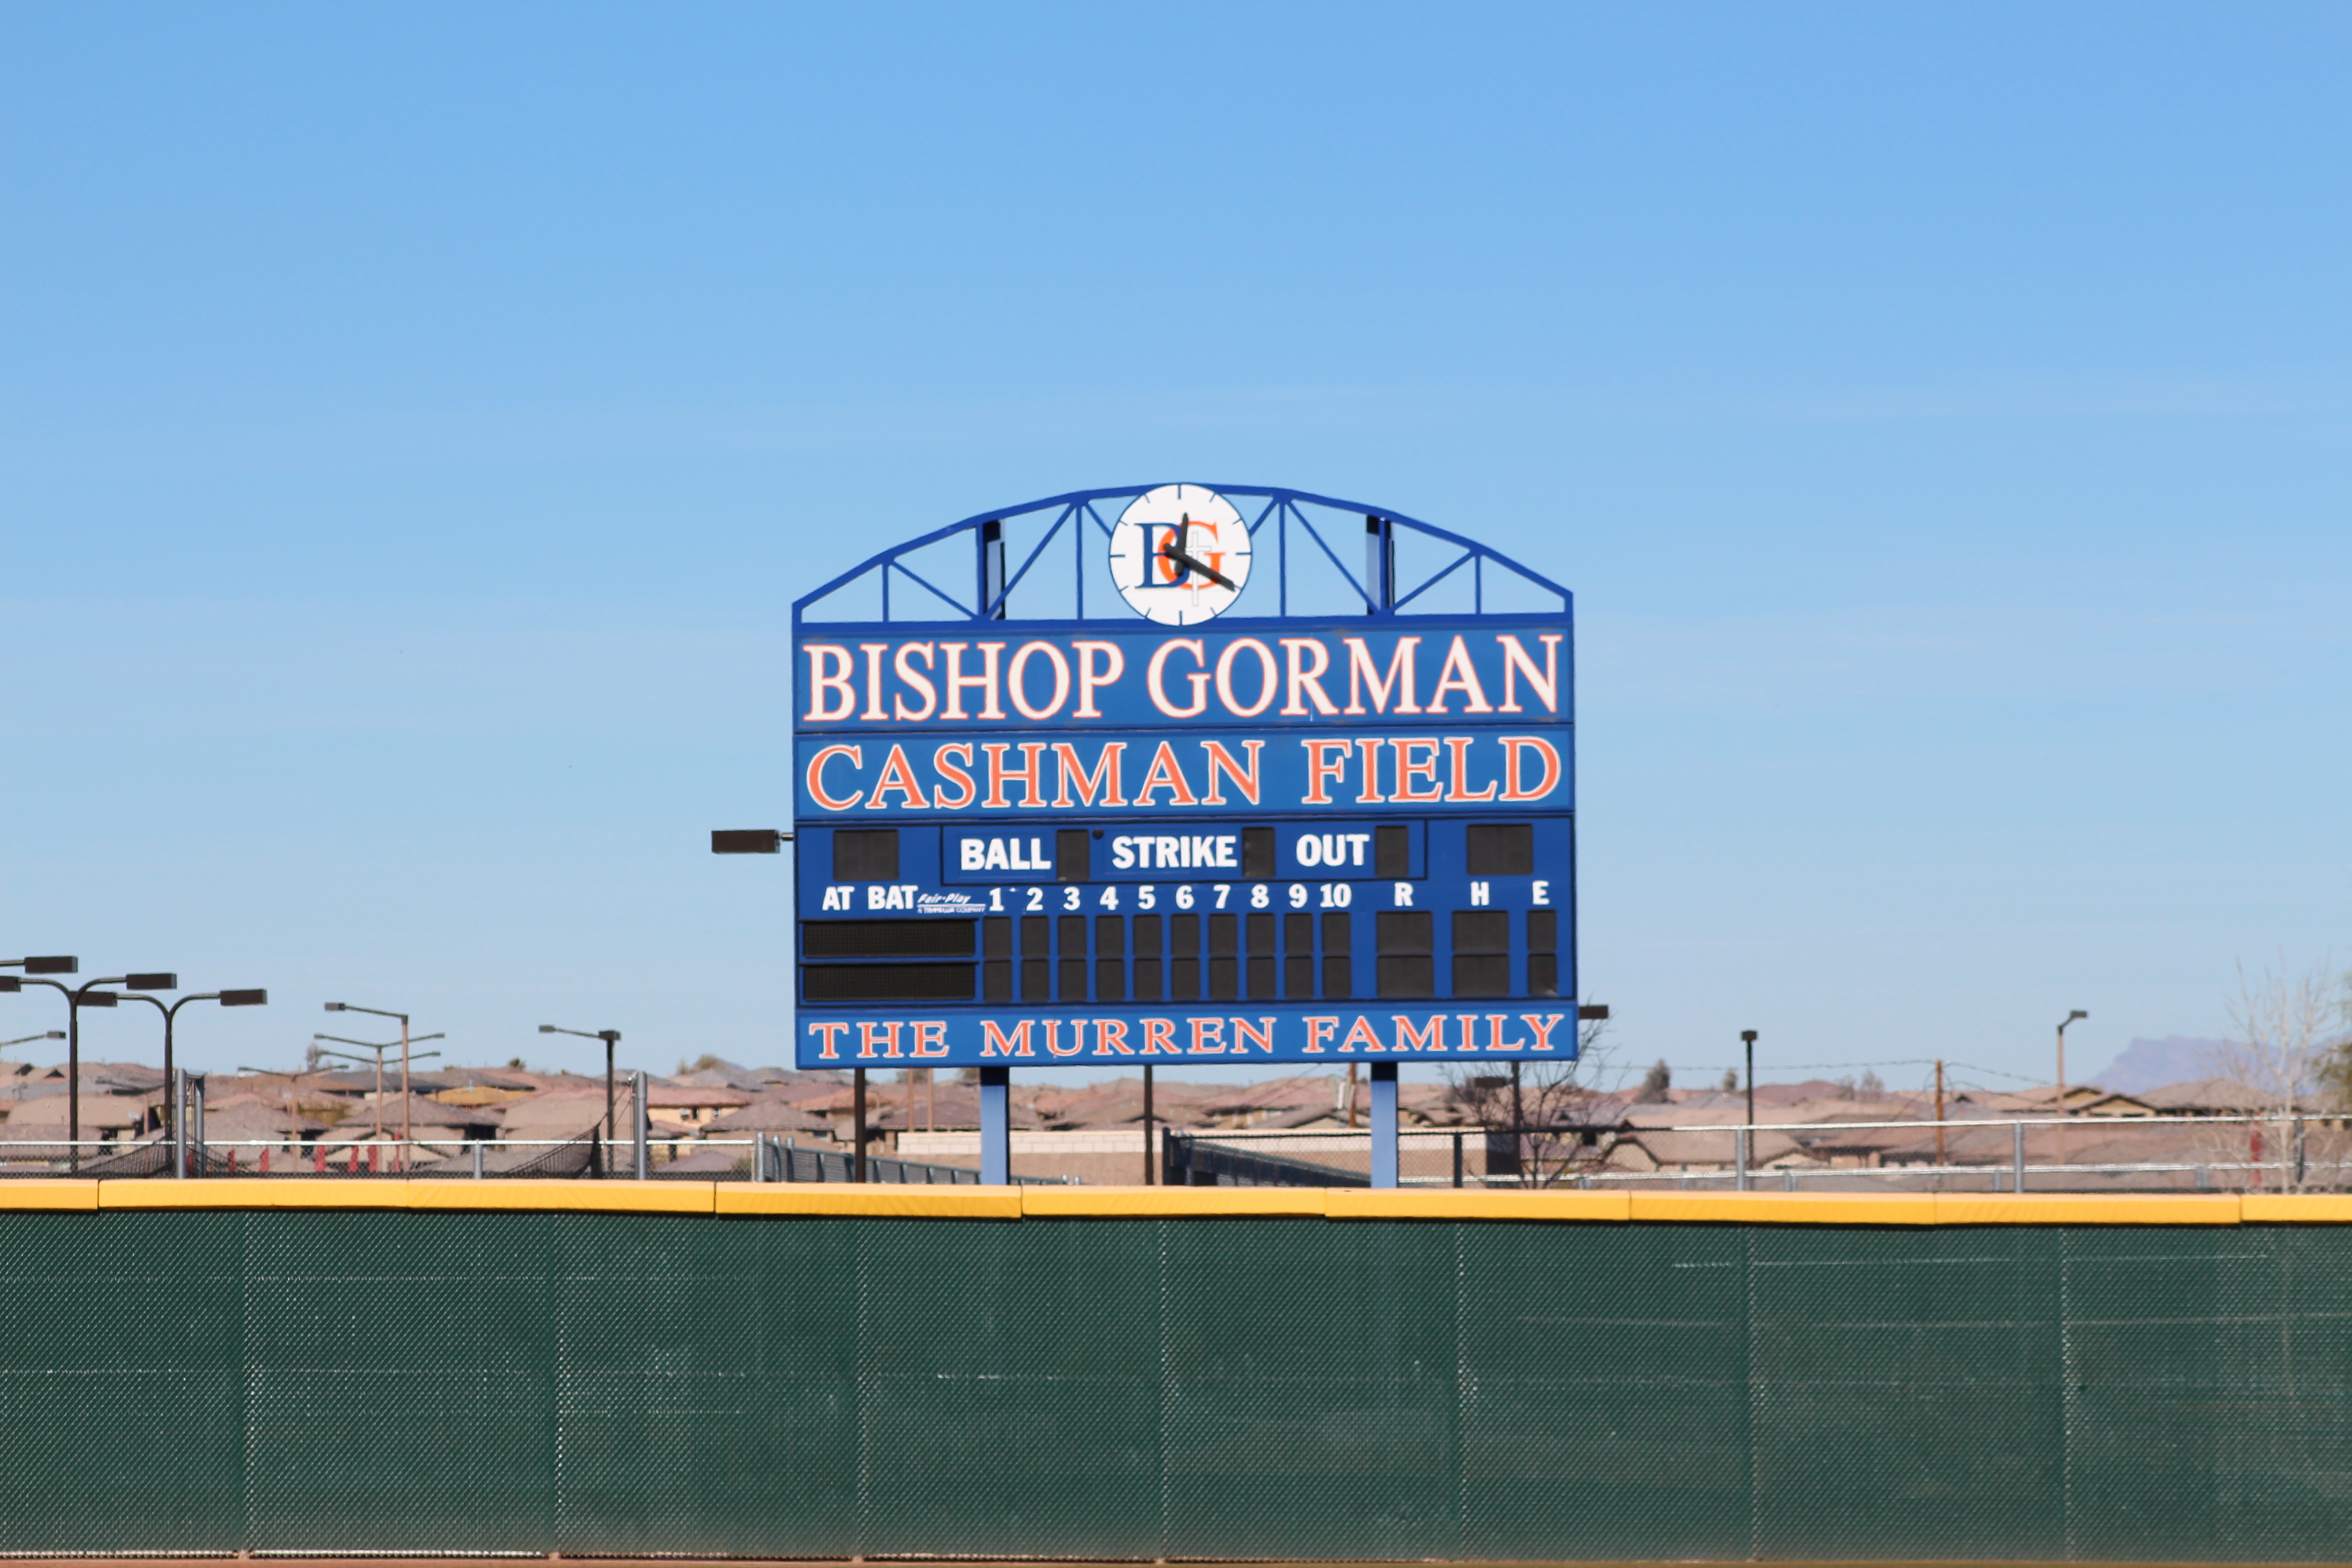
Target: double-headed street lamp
[[86, 995], [248, 999], [379, 1048], [380, 1013], [611, 1037]]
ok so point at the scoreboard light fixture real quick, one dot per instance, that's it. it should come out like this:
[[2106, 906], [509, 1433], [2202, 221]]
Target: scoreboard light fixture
[[748, 840]]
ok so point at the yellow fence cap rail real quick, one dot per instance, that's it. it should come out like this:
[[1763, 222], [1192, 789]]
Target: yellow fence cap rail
[[890, 1200], [73, 1194], [253, 1193], [1476, 1203], [2083, 1208], [885, 1200], [1788, 1208], [2296, 1208], [566, 1196], [1201, 1203]]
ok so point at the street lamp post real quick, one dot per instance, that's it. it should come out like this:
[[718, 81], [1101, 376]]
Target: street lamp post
[[28, 1039], [249, 998], [1748, 1038], [379, 1048], [2075, 1016], [611, 1037]]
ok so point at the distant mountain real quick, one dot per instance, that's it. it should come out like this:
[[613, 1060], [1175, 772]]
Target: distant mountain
[[2151, 1064]]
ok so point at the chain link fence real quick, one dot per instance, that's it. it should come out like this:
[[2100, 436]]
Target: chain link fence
[[2281, 1152]]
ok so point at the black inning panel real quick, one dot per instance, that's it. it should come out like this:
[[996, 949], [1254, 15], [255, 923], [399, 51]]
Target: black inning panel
[[886, 982], [1543, 974], [1299, 933], [1225, 936], [1543, 953], [1339, 978], [1408, 975], [1543, 930], [1481, 974], [1405, 932], [1261, 936], [1482, 930], [1298, 976], [886, 938]]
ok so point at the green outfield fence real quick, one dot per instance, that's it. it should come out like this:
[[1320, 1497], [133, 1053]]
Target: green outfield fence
[[588, 1383]]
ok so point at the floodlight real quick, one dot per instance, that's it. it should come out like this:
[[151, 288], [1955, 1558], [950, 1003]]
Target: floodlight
[[746, 840]]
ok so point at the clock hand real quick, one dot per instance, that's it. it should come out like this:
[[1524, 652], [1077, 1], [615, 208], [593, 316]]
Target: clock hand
[[1175, 551], [1211, 573]]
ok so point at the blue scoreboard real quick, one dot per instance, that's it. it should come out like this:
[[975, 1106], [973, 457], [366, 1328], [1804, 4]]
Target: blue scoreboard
[[1224, 797]]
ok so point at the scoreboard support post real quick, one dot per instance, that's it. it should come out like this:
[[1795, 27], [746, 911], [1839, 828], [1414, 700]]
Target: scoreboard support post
[[1384, 1124], [996, 1126]]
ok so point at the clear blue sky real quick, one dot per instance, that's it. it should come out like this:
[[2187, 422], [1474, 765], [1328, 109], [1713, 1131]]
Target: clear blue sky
[[417, 420]]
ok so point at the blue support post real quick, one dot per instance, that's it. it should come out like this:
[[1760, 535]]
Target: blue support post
[[996, 1126], [1384, 1124]]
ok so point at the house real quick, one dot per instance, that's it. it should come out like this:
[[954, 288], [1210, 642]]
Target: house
[[686, 1109]]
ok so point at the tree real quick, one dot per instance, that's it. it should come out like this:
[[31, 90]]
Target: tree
[[1539, 1114], [1655, 1083], [2293, 1055], [1730, 1084]]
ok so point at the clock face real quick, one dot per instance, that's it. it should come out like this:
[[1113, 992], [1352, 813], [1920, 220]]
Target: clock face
[[1144, 543]]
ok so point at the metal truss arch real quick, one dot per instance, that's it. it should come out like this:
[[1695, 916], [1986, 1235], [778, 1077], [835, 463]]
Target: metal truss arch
[[1044, 561]]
